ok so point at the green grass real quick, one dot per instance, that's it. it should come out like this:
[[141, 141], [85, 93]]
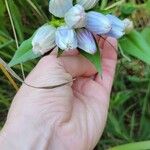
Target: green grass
[[129, 113]]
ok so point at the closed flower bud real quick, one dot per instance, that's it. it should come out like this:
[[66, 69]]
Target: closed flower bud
[[59, 7], [97, 23], [44, 39], [118, 27], [87, 4], [128, 25], [75, 17], [86, 41], [66, 38]]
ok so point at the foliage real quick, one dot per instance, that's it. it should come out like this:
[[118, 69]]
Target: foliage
[[129, 115]]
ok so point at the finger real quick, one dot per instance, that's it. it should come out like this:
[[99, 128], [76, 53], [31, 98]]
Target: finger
[[100, 40], [50, 69], [109, 48], [78, 66], [109, 60], [73, 52]]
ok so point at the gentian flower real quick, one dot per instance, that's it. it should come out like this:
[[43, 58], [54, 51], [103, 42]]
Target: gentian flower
[[118, 27], [77, 27], [44, 39], [97, 23], [66, 38], [75, 17], [86, 41]]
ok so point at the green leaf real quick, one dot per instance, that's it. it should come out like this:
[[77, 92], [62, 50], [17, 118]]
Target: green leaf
[[23, 53], [2, 16], [146, 34], [95, 59], [135, 45], [147, 5], [16, 17], [133, 146], [127, 8]]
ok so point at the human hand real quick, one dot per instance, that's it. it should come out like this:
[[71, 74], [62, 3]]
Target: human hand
[[70, 117]]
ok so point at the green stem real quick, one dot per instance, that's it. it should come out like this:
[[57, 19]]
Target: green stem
[[115, 4], [123, 54], [104, 4], [14, 32]]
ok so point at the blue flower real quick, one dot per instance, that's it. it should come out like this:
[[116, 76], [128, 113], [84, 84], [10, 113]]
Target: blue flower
[[118, 27], [85, 25], [65, 38], [97, 23], [86, 41]]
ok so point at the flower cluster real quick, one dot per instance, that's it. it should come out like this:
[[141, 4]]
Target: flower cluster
[[78, 27]]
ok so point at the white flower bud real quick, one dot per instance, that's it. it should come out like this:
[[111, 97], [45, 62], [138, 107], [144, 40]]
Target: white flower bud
[[44, 39], [128, 25], [75, 17], [66, 38]]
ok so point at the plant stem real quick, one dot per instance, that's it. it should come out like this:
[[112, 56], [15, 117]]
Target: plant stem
[[9, 77], [115, 4], [15, 35], [104, 4]]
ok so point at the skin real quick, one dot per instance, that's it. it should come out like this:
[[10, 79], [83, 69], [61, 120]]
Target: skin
[[70, 117]]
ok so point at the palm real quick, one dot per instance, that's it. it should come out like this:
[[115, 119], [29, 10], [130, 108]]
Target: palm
[[89, 107], [73, 116], [88, 117]]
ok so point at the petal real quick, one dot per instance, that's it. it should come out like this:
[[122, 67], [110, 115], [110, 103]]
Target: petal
[[75, 17], [115, 21], [44, 39], [66, 38], [97, 23], [116, 33], [87, 4], [59, 7], [118, 27], [86, 41]]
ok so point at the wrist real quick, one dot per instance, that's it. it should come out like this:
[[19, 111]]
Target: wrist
[[22, 137]]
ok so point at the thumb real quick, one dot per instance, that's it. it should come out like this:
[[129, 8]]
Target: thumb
[[54, 71]]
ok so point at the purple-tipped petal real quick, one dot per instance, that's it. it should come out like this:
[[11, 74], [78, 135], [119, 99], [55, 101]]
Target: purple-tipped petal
[[66, 38], [97, 23], [86, 41], [59, 7], [75, 17]]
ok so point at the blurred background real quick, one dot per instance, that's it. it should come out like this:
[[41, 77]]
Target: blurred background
[[129, 113]]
